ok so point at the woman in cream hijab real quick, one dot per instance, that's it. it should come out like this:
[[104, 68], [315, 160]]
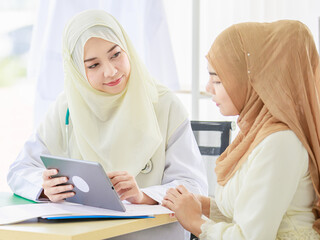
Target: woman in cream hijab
[[268, 178], [119, 116]]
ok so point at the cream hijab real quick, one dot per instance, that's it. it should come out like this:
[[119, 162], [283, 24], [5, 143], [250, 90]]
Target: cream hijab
[[119, 131], [271, 72]]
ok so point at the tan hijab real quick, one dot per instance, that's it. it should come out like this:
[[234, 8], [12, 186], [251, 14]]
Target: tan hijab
[[271, 72]]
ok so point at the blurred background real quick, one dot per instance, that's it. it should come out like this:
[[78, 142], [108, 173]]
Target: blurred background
[[16, 90], [30, 40]]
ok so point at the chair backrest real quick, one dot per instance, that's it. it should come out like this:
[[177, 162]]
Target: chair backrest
[[213, 138], [204, 131]]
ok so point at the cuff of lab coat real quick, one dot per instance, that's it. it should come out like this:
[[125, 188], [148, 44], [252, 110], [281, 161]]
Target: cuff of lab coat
[[155, 192], [39, 199]]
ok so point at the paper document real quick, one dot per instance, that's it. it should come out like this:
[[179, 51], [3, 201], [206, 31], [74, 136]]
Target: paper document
[[18, 213]]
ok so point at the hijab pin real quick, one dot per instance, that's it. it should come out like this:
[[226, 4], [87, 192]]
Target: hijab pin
[[248, 54]]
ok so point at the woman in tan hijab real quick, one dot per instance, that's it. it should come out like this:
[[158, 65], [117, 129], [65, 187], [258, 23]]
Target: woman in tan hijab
[[268, 178]]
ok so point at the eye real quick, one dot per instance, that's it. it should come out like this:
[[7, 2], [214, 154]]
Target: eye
[[213, 74], [93, 66], [216, 82], [116, 54]]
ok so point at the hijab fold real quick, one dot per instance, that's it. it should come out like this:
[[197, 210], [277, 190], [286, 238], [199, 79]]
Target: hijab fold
[[271, 72]]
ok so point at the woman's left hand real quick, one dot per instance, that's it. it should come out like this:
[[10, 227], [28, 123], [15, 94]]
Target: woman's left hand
[[187, 208], [127, 188]]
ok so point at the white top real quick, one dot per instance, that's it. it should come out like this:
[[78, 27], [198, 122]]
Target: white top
[[269, 197], [183, 166]]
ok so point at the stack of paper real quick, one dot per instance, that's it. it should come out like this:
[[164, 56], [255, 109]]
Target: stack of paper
[[65, 210]]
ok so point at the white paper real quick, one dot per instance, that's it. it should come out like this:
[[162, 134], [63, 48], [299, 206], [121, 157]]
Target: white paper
[[19, 213], [131, 210]]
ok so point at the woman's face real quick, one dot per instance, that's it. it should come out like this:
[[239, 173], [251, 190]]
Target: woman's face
[[219, 94], [107, 66]]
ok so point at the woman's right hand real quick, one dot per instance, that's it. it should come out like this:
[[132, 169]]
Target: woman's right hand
[[52, 188]]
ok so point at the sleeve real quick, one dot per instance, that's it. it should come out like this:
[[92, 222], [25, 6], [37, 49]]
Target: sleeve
[[276, 166], [215, 213], [25, 173], [184, 165]]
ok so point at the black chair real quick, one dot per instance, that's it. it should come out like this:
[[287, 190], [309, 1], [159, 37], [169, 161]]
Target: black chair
[[212, 139], [208, 131]]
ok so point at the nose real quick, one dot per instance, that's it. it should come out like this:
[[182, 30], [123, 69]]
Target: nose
[[210, 88], [109, 70]]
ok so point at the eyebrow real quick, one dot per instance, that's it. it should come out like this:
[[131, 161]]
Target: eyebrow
[[116, 45], [90, 59]]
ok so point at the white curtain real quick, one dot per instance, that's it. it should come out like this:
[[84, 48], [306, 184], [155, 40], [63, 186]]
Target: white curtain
[[144, 21]]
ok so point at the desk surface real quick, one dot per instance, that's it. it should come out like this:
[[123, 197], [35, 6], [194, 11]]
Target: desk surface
[[101, 229]]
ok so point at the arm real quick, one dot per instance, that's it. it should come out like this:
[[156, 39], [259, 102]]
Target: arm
[[265, 191], [184, 165], [29, 178], [276, 167], [128, 189], [187, 208], [206, 202], [25, 173]]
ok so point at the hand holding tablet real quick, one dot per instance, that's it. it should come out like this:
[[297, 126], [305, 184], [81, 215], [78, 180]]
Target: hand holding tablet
[[55, 188], [90, 183]]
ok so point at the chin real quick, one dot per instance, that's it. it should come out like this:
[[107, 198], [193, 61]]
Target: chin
[[117, 91], [226, 114]]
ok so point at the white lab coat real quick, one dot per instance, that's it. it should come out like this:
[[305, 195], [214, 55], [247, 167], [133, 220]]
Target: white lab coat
[[25, 176]]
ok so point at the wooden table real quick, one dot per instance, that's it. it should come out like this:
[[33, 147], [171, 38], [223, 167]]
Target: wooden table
[[101, 229]]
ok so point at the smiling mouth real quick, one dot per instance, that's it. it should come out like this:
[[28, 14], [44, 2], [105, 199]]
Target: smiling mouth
[[114, 83]]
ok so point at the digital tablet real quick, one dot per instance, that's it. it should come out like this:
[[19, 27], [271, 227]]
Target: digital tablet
[[91, 184]]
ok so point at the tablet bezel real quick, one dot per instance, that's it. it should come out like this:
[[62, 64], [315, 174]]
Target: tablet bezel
[[101, 192]]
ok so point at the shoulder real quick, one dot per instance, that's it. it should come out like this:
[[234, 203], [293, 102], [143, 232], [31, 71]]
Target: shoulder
[[170, 112], [61, 106], [281, 148], [170, 103], [282, 139], [62, 102], [57, 111], [169, 97]]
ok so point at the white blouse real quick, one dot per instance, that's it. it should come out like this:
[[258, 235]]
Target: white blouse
[[269, 197]]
